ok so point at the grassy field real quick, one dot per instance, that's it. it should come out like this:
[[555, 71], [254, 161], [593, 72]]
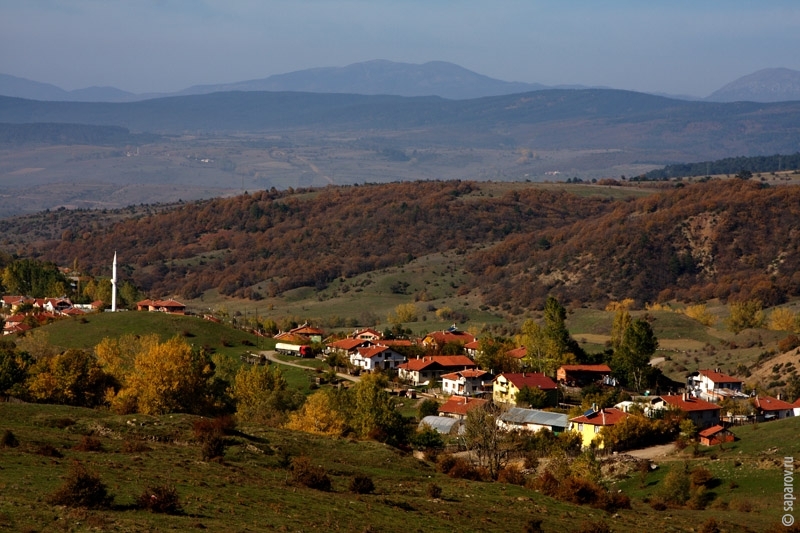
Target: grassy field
[[251, 490]]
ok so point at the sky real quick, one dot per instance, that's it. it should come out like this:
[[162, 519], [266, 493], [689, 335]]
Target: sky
[[675, 47]]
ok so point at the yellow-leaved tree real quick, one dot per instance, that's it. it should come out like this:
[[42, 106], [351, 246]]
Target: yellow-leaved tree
[[782, 319], [165, 377], [319, 416]]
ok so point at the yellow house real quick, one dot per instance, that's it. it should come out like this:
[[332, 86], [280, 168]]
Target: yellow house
[[506, 386], [590, 423]]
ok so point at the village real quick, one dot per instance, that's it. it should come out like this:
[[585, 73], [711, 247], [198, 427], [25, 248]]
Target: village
[[710, 399]]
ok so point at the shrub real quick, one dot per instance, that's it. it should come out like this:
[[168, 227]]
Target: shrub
[[361, 484], [8, 440], [313, 477], [212, 448], [594, 527], [463, 469], [89, 444], [512, 475], [701, 476], [534, 525], [445, 462], [434, 491], [710, 526], [48, 451], [160, 499], [82, 488], [135, 446]]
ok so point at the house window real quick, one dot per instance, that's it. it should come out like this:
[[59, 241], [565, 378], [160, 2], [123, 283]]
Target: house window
[[597, 429], [580, 427]]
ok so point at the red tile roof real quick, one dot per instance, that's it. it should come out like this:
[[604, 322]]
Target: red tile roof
[[469, 374], [443, 337], [710, 432], [604, 417], [371, 351], [518, 353], [530, 379], [444, 361], [349, 344], [689, 404], [474, 345], [719, 377], [587, 368], [768, 403], [459, 405]]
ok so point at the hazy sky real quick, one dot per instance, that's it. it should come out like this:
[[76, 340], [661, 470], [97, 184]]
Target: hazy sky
[[678, 47]]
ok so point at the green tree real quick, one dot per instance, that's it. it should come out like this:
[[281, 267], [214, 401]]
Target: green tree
[[14, 367], [622, 321], [532, 397], [261, 395], [374, 414], [631, 360], [542, 352]]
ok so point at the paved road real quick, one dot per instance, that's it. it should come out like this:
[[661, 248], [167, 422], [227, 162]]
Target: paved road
[[271, 355]]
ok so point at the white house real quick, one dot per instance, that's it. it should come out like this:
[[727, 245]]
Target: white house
[[372, 358], [467, 382], [713, 385]]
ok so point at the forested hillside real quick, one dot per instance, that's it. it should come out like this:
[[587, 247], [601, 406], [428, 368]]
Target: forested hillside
[[728, 239]]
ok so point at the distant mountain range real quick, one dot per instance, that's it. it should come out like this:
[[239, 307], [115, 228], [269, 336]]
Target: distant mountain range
[[768, 85], [381, 77]]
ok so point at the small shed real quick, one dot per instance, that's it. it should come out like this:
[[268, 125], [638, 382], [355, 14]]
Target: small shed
[[716, 435]]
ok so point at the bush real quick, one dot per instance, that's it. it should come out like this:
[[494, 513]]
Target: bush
[[49, 451], [82, 488], [89, 444], [701, 476], [594, 527], [212, 448], [135, 446], [512, 475], [160, 499], [8, 440], [434, 491], [445, 462], [313, 477], [361, 484], [463, 469], [710, 526]]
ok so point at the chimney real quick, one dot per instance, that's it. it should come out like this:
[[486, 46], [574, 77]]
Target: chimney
[[603, 411]]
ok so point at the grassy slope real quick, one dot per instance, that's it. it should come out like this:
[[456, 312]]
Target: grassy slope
[[250, 490]]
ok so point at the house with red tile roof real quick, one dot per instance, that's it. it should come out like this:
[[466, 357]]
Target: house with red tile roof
[[714, 386], [581, 375], [431, 368], [472, 348], [162, 306], [715, 435], [518, 353], [507, 385], [769, 408], [459, 406], [702, 413], [796, 407], [348, 346], [467, 382], [590, 423], [305, 332], [367, 334], [453, 335], [371, 358], [14, 302]]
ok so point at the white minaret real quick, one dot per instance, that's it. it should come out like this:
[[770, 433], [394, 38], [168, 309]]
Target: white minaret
[[114, 285]]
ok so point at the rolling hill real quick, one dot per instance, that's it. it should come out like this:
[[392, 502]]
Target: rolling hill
[[728, 239]]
